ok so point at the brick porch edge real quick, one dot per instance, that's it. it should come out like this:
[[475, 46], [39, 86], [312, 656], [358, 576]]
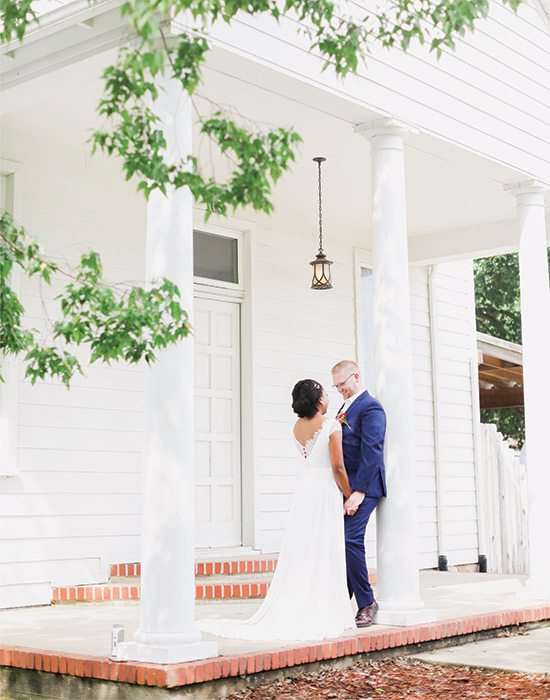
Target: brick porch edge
[[175, 675]]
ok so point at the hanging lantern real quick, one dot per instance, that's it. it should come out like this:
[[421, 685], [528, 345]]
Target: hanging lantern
[[321, 265]]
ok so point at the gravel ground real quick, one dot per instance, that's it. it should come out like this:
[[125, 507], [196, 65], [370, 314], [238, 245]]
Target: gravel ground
[[404, 678]]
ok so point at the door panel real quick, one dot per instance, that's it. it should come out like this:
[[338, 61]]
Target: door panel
[[217, 425]]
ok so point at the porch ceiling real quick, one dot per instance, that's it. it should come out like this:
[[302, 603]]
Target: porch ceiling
[[456, 203]]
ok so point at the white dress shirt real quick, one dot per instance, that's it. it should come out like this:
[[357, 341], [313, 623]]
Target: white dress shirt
[[348, 402]]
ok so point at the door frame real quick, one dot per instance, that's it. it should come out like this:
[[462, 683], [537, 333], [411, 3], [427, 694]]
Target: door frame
[[361, 259], [243, 294], [9, 390]]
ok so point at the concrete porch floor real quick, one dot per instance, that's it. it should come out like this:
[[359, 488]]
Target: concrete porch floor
[[73, 639], [85, 628]]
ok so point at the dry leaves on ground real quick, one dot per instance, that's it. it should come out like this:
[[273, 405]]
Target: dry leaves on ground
[[403, 678]]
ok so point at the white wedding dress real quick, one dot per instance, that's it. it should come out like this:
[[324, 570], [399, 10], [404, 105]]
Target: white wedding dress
[[308, 597]]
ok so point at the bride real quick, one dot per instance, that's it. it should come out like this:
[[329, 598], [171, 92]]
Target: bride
[[308, 597]]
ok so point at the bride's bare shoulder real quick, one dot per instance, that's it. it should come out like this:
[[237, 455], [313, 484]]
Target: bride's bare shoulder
[[306, 428]]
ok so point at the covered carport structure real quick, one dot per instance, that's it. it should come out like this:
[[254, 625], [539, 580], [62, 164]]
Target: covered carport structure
[[500, 372]]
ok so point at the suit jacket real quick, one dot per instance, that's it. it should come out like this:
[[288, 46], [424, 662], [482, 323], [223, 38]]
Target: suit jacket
[[363, 445]]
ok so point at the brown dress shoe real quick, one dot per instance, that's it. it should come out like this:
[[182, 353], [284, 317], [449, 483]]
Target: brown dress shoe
[[367, 615]]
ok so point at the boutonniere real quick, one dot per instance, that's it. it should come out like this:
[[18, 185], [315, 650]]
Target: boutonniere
[[343, 420]]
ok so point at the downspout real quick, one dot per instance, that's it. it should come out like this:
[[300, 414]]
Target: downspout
[[478, 443], [478, 466], [441, 550]]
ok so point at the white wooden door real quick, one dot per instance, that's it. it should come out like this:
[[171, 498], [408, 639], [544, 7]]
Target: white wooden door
[[217, 423]]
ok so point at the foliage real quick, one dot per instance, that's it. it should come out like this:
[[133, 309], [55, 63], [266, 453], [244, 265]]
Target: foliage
[[15, 18], [496, 282], [134, 324], [509, 421], [498, 313], [129, 324]]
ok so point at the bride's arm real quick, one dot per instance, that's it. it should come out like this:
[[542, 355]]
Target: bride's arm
[[337, 462]]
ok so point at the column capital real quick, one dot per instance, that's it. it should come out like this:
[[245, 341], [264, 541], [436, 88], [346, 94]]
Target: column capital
[[385, 126], [531, 190]]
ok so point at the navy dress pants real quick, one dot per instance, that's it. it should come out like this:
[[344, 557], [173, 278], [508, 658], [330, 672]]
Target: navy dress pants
[[356, 563]]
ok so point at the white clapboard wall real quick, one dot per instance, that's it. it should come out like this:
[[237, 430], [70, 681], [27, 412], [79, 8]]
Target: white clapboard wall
[[453, 356], [74, 504], [301, 334]]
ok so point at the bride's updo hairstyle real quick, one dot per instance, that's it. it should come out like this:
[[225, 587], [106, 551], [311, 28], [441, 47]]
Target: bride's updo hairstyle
[[305, 398]]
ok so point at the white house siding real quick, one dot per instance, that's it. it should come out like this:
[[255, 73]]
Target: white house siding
[[455, 324], [301, 333], [490, 96], [74, 506], [424, 418]]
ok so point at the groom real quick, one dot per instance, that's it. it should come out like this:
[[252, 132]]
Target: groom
[[363, 430]]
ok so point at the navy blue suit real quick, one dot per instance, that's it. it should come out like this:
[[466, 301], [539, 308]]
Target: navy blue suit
[[363, 446]]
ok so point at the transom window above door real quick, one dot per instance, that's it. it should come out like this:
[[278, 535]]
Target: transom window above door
[[216, 257]]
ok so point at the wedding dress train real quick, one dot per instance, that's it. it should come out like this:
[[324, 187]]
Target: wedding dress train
[[308, 597]]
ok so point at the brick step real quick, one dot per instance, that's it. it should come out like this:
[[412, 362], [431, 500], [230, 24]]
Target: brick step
[[230, 586], [208, 580], [242, 576], [211, 567], [128, 588]]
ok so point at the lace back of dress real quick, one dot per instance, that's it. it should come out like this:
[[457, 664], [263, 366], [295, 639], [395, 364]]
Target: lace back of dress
[[315, 451]]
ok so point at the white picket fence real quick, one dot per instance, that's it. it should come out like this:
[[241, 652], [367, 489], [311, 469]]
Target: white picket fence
[[503, 516]]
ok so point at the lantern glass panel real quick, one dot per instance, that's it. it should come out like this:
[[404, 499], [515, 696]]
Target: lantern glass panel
[[321, 274]]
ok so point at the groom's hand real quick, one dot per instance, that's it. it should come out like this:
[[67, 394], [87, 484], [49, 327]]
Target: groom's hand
[[353, 502]]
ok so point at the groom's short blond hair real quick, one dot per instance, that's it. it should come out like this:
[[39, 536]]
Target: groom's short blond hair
[[345, 364]]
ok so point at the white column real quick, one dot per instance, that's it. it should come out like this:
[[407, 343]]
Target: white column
[[535, 331], [167, 633], [398, 587]]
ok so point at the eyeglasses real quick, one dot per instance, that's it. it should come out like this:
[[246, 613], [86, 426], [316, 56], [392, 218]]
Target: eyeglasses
[[341, 384]]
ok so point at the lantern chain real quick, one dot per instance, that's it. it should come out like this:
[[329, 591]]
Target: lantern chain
[[320, 212]]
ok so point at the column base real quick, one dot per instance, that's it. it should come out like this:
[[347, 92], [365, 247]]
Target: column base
[[166, 653], [395, 617]]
